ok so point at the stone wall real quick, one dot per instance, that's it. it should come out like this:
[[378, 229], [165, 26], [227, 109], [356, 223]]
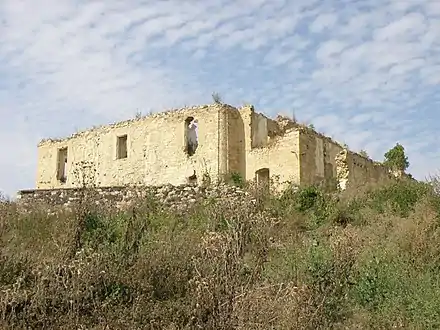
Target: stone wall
[[280, 151], [317, 157], [178, 198], [323, 159], [281, 158], [155, 150], [230, 140], [355, 171]]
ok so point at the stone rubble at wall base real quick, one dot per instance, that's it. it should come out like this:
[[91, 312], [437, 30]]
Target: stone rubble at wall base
[[178, 198]]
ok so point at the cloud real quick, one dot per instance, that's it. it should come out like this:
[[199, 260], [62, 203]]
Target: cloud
[[329, 48], [404, 28], [323, 22], [366, 73]]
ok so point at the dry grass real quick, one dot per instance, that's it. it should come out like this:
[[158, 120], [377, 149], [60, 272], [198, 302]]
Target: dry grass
[[305, 260]]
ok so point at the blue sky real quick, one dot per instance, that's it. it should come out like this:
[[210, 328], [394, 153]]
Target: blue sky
[[366, 73]]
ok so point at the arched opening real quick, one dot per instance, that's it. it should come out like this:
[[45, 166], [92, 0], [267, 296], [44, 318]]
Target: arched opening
[[191, 136], [262, 178]]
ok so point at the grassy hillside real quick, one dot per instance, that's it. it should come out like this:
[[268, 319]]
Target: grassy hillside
[[306, 260]]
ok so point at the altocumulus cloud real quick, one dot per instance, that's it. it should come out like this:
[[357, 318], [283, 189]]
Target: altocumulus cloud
[[364, 72]]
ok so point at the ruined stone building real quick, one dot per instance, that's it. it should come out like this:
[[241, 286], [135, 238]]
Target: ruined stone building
[[189, 144]]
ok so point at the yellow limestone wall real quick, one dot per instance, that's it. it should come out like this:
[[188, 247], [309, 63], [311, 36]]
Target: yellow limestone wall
[[362, 170], [323, 159], [230, 140], [155, 150], [318, 155], [278, 153]]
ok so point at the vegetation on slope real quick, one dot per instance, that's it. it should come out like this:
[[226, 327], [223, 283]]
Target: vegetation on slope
[[305, 260]]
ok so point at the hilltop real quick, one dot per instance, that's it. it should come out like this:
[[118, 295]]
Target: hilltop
[[305, 259]]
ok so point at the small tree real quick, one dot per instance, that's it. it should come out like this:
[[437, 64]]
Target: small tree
[[293, 116], [396, 159], [216, 98], [363, 153]]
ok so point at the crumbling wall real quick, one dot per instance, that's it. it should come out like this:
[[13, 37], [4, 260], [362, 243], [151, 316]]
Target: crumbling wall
[[331, 150], [236, 143], [354, 170], [363, 170], [280, 155], [317, 157], [156, 151], [228, 140], [309, 160], [342, 170], [265, 131], [325, 160], [259, 130], [179, 198], [280, 125]]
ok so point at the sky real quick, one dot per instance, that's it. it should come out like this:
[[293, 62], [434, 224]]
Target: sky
[[366, 73]]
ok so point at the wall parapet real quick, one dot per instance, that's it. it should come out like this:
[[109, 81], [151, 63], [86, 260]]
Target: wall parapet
[[163, 114]]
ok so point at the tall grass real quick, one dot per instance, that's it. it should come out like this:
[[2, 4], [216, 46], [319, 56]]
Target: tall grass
[[308, 259]]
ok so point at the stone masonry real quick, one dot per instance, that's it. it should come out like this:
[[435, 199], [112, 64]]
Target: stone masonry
[[188, 145], [177, 198]]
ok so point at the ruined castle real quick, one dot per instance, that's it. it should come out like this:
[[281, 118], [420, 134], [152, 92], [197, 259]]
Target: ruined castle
[[194, 143]]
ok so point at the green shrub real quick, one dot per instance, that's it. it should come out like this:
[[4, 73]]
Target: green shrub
[[308, 259], [401, 197], [237, 179], [329, 279], [306, 198], [374, 284]]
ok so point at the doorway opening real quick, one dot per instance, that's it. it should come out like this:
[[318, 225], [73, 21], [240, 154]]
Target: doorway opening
[[262, 178]]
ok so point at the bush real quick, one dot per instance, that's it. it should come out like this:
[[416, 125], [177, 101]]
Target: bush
[[400, 197], [237, 179], [307, 198], [308, 259]]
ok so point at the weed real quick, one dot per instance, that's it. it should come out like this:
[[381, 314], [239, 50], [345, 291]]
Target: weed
[[307, 258]]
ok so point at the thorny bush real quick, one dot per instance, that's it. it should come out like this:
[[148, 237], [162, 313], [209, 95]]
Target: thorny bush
[[307, 259]]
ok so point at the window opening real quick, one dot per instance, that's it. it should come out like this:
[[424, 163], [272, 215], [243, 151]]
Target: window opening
[[121, 147], [191, 135], [62, 165]]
